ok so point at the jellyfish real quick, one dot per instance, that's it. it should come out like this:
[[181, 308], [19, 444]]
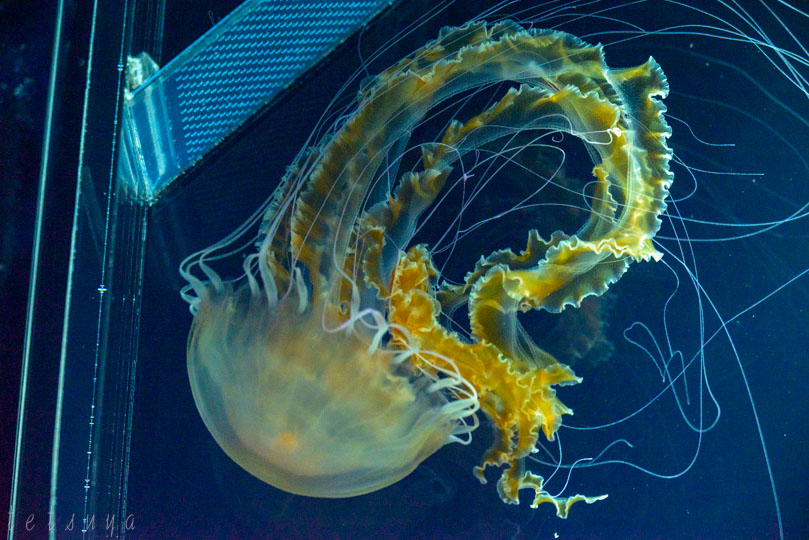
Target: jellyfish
[[333, 366]]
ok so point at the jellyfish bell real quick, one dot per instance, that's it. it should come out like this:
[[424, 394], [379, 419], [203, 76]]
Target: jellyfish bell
[[309, 410], [301, 392]]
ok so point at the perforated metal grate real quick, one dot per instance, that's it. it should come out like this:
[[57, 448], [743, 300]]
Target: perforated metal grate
[[225, 77]]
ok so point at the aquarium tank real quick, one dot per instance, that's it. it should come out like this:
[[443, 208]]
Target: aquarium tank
[[421, 269]]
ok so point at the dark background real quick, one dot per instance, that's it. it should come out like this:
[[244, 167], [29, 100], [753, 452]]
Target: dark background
[[26, 34], [26, 48]]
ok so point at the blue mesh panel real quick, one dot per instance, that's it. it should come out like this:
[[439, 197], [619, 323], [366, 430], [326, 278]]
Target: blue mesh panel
[[221, 80]]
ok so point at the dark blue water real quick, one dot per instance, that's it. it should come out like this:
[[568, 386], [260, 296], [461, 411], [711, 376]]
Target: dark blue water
[[743, 364]]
